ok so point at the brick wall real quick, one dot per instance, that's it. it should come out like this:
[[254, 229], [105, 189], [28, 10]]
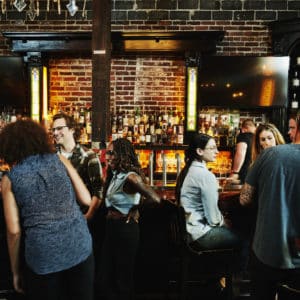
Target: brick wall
[[70, 82], [151, 82]]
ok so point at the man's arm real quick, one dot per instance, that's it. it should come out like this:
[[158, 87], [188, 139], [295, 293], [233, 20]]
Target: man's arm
[[95, 174], [239, 157], [247, 194], [82, 193]]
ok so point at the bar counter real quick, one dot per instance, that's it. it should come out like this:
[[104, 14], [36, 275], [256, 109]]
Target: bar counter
[[237, 217]]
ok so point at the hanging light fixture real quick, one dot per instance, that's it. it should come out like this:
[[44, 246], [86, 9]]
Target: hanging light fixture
[[33, 7]]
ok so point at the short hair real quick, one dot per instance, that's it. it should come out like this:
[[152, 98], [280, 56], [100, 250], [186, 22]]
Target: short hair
[[70, 122], [295, 115], [22, 139], [247, 123]]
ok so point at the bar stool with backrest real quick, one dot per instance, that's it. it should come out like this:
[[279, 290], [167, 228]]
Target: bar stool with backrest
[[197, 265], [288, 292]]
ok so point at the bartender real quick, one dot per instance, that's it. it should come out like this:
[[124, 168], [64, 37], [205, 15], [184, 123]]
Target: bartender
[[242, 157]]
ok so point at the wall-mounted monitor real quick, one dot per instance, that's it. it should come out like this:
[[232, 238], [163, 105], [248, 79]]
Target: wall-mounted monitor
[[13, 84], [243, 81]]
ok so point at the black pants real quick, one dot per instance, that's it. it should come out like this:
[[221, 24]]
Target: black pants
[[76, 283], [116, 270], [265, 279]]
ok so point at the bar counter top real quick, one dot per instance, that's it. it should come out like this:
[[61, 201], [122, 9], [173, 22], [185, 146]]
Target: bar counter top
[[168, 192]]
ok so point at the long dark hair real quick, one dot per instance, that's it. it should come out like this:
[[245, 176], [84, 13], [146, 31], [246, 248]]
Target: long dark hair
[[199, 140], [126, 160], [22, 139]]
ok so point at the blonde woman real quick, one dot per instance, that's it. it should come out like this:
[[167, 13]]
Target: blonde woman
[[266, 135]]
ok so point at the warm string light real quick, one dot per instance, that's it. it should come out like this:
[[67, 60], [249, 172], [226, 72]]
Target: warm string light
[[33, 7]]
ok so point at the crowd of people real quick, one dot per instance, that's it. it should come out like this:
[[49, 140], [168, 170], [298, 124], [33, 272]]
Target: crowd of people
[[55, 199]]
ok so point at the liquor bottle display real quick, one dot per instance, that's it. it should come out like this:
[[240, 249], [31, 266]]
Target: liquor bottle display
[[224, 124], [294, 101], [295, 84], [151, 128], [8, 115]]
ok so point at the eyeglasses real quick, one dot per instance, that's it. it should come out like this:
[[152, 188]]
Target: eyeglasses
[[58, 128], [110, 152], [211, 148]]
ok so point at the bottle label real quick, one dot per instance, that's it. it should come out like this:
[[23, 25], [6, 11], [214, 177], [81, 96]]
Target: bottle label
[[294, 104], [148, 138], [296, 82], [180, 139]]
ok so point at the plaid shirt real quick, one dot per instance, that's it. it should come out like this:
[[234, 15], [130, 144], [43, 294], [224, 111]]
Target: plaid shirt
[[88, 166]]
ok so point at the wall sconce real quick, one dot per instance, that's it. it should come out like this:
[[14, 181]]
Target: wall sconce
[[35, 93], [191, 122]]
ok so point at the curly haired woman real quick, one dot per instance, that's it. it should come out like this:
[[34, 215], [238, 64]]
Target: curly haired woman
[[40, 194], [124, 186]]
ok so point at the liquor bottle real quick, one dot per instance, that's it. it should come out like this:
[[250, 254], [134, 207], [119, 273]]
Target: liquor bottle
[[81, 116], [158, 131], [169, 133], [152, 123], [130, 119], [294, 102], [83, 137], [142, 138], [13, 117], [125, 119], [125, 125], [148, 136], [75, 114], [137, 116], [296, 80], [88, 121], [129, 135], [176, 117], [114, 134], [180, 129], [142, 126], [120, 130]]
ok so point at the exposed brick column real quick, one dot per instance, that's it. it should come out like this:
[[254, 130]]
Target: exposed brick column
[[101, 59]]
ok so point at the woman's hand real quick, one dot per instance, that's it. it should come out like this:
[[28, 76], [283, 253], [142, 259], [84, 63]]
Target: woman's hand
[[95, 203]]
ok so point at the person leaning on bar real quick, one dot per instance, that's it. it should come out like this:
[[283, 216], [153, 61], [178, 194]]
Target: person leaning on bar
[[123, 191]]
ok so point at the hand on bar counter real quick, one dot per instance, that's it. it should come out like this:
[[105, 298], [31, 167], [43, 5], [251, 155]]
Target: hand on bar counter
[[227, 184]]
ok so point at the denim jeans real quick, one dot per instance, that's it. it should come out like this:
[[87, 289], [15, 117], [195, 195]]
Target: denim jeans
[[222, 238], [217, 238]]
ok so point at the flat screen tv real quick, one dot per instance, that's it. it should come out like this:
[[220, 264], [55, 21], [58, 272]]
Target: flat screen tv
[[13, 84], [243, 81]]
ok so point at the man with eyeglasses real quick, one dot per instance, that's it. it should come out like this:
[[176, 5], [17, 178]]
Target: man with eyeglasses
[[65, 134]]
